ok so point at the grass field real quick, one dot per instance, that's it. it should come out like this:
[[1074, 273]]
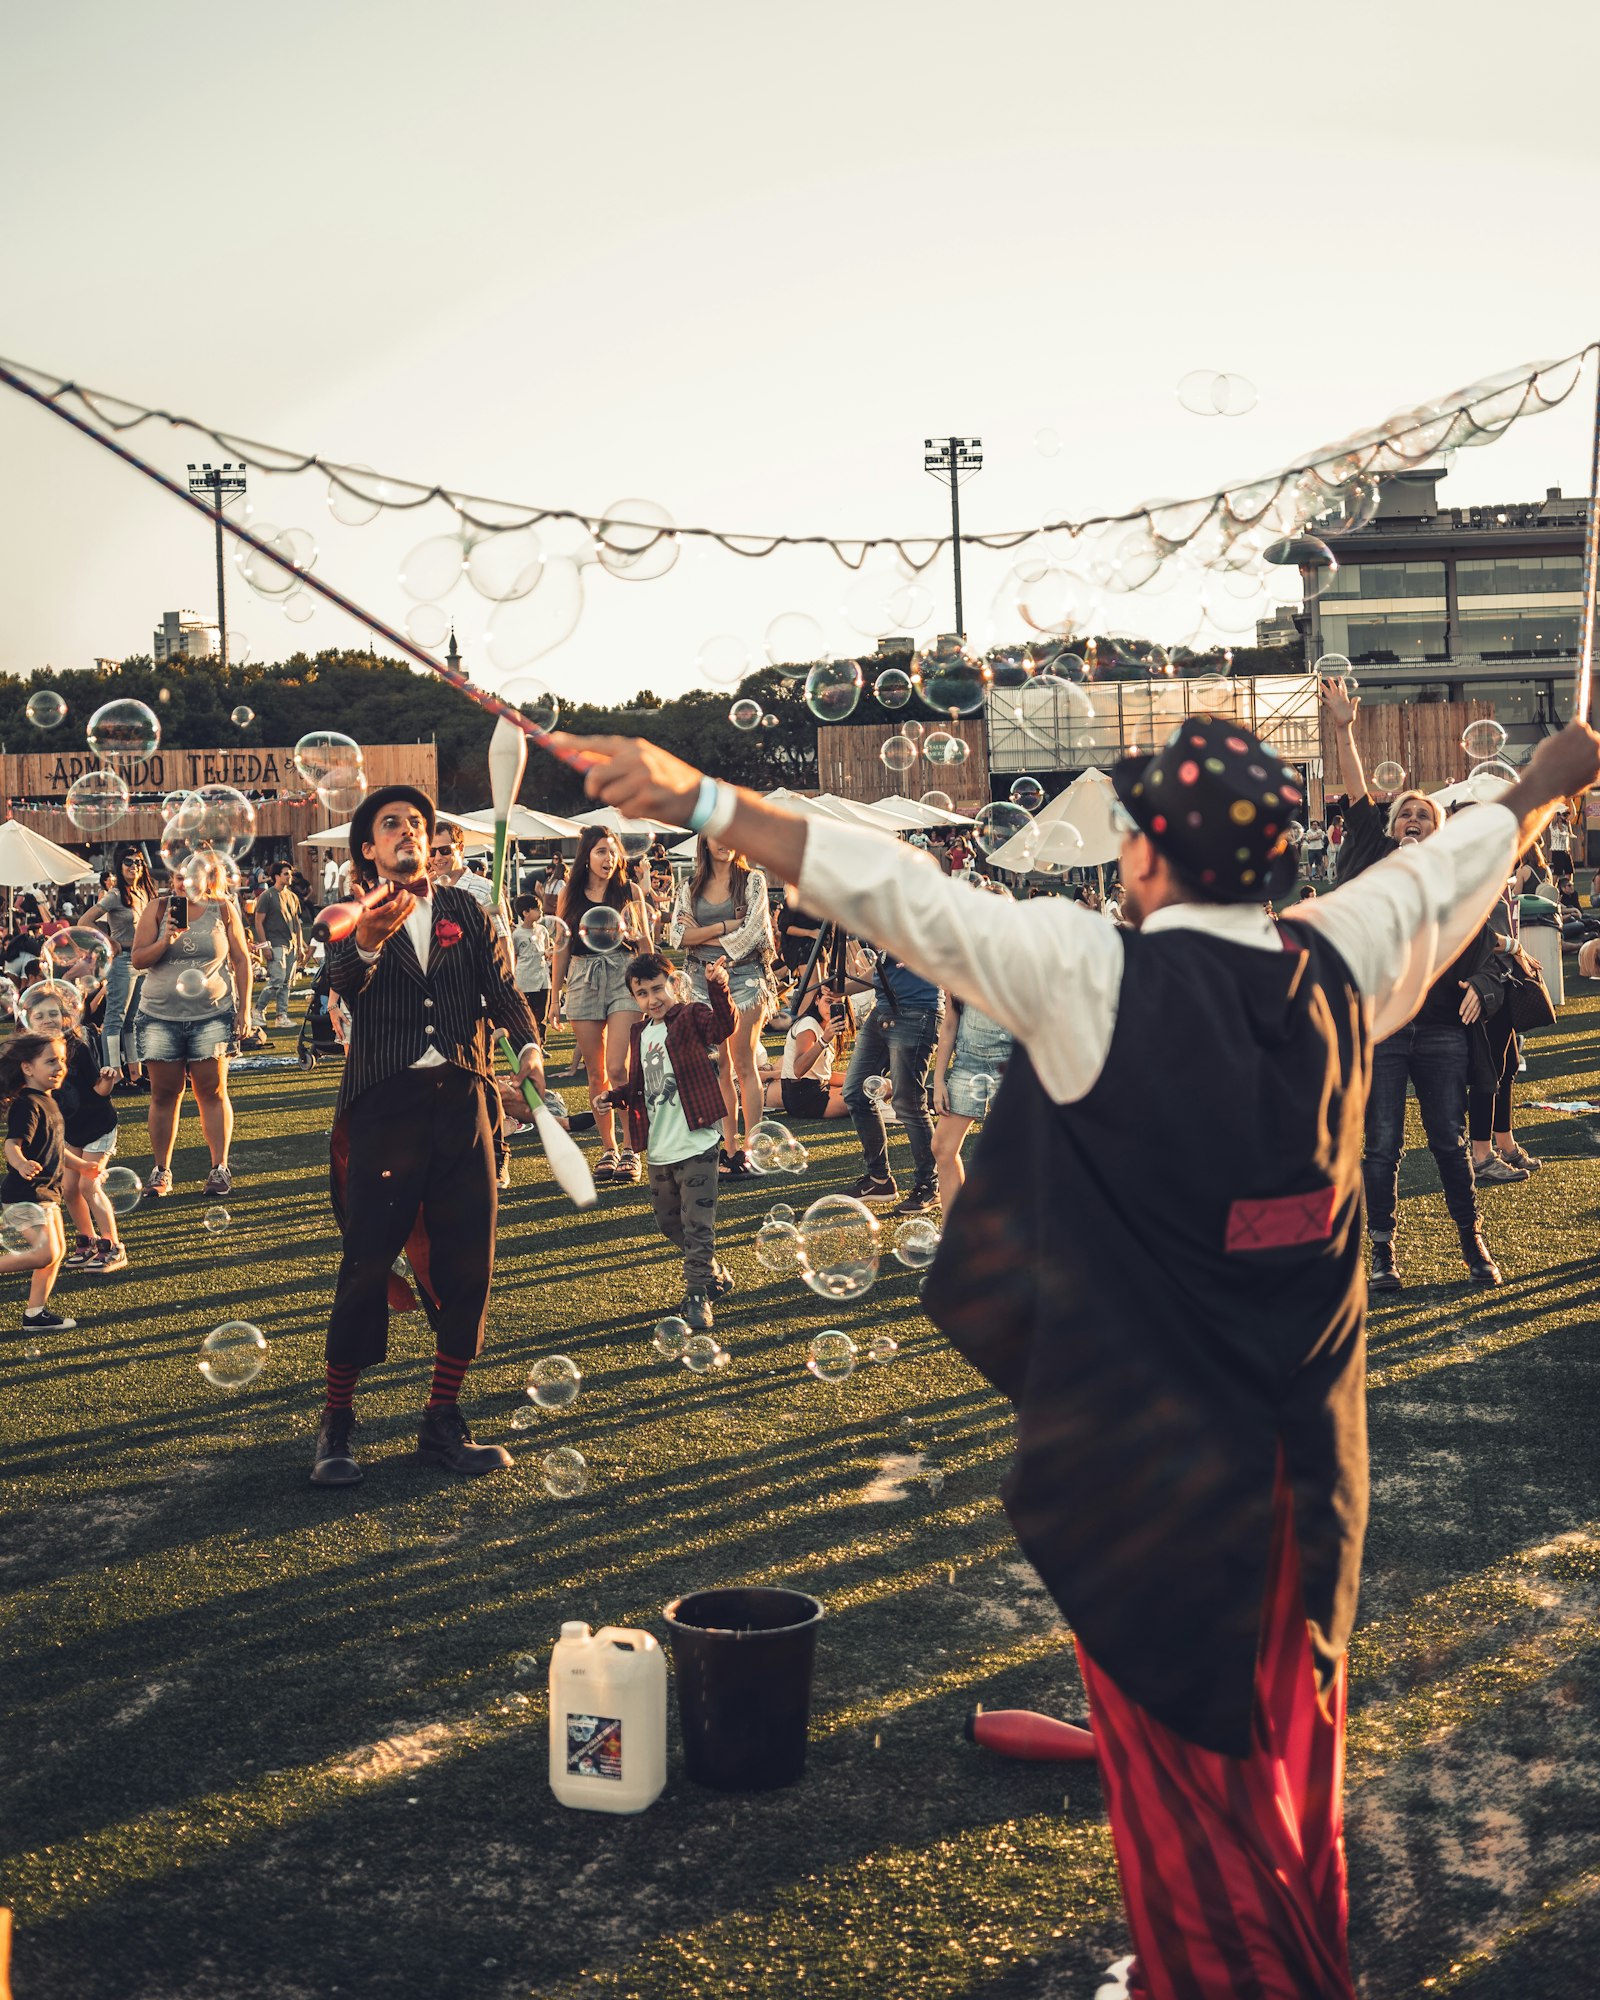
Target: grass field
[[265, 1740]]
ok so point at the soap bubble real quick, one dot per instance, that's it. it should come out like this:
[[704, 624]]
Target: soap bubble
[[506, 565], [233, 1355], [1483, 738], [877, 1088], [45, 709], [940, 801], [523, 1418], [433, 568], [8, 996], [354, 509], [832, 1357], [780, 1211], [745, 713], [637, 541], [564, 1472], [97, 800], [723, 660], [1333, 667], [555, 932], [1315, 561], [1046, 442], [208, 876], [951, 679], [792, 1156], [191, 983], [523, 629], [298, 553], [242, 717], [982, 1089], [534, 698], [216, 1220], [428, 624], [892, 687], [883, 1347], [839, 1247], [48, 1005], [769, 721], [703, 1352], [1232, 395], [553, 1382], [898, 753], [634, 837], [996, 823], [833, 687], [1211, 691], [940, 747], [600, 928], [299, 608], [794, 639], [525, 1668], [767, 1141], [1027, 793], [778, 1247], [340, 801], [172, 801], [327, 757], [216, 817], [915, 1242], [78, 953], [23, 1227], [1294, 834], [1194, 392], [670, 1338], [1487, 782], [911, 606], [123, 729], [122, 1188], [1389, 776]]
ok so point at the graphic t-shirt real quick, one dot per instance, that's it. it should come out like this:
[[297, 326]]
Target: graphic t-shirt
[[670, 1137]]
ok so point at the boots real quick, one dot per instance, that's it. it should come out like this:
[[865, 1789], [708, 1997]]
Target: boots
[[1481, 1267], [1385, 1271]]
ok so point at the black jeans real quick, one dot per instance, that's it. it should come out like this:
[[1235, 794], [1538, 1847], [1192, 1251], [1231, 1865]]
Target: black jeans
[[1489, 1111], [902, 1044], [1434, 1059]]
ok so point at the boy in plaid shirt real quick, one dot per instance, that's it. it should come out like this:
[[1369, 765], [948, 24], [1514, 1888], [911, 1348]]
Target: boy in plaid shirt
[[673, 1098]]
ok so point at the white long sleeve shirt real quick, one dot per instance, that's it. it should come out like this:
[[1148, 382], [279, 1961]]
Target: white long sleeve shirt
[[1051, 972]]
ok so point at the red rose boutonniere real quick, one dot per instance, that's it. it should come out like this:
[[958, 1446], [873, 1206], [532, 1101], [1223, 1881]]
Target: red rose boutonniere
[[446, 932]]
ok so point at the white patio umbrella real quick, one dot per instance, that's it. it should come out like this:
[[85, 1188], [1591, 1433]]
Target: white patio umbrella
[[526, 823], [609, 816], [339, 836], [916, 813], [795, 802], [1073, 831], [27, 859], [862, 815]]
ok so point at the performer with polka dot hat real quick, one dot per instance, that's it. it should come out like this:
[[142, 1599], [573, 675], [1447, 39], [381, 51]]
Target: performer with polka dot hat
[[1157, 1258]]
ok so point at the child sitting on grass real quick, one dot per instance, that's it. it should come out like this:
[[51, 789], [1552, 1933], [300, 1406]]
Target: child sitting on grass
[[31, 1067], [674, 1104]]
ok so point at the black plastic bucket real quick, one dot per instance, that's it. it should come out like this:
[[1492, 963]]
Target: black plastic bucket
[[742, 1660]]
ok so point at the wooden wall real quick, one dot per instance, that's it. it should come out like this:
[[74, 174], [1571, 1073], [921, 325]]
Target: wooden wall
[[1423, 738], [36, 786], [848, 763]]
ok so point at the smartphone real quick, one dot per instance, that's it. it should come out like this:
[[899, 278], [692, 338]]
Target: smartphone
[[178, 913]]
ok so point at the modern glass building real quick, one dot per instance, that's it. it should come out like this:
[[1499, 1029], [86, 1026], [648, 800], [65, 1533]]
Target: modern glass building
[[1435, 603]]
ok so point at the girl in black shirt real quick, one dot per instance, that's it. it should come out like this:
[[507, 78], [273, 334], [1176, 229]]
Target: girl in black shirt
[[31, 1068], [89, 1119]]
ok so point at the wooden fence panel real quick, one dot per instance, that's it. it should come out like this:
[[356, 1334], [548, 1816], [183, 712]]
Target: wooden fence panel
[[1423, 738], [849, 763]]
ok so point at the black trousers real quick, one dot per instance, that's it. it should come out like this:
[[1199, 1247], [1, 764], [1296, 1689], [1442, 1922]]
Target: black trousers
[[420, 1142]]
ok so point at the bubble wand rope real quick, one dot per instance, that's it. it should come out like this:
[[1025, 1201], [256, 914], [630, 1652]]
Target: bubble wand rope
[[1591, 570], [491, 704]]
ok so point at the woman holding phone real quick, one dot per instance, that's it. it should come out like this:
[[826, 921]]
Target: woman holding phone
[[196, 968]]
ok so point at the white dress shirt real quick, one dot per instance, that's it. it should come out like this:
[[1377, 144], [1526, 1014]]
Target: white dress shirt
[[1051, 971]]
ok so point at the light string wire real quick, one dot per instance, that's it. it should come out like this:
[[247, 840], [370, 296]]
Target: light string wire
[[1481, 412], [492, 704]]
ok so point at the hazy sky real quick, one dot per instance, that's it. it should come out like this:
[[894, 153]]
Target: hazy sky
[[741, 259]]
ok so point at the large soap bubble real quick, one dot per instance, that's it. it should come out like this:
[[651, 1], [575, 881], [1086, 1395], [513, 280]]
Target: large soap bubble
[[233, 1355], [839, 1247], [123, 729], [97, 800]]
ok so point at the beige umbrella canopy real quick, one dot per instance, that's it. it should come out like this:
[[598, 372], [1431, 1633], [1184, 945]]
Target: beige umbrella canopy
[[339, 836], [27, 859]]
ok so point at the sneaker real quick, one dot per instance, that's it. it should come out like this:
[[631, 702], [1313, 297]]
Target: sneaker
[[740, 1167], [1525, 1160], [45, 1321], [628, 1167], [84, 1251], [1385, 1271], [159, 1185], [923, 1196], [1496, 1170], [721, 1281], [605, 1168], [695, 1312], [872, 1187], [112, 1257], [218, 1181]]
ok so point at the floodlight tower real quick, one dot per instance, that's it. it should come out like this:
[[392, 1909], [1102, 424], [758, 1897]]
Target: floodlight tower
[[955, 459], [224, 483]]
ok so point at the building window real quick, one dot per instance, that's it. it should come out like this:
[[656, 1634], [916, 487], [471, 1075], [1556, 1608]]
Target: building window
[[1519, 576], [1514, 701], [1517, 635], [1377, 639], [1396, 579]]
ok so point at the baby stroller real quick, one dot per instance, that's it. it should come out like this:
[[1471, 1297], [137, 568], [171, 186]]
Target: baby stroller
[[318, 1041]]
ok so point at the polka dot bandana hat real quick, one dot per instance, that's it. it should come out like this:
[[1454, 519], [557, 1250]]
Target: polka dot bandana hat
[[1217, 803]]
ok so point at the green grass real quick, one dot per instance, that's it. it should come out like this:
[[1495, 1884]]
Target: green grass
[[261, 1739]]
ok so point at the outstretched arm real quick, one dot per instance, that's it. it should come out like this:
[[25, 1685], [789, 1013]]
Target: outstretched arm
[[1340, 706]]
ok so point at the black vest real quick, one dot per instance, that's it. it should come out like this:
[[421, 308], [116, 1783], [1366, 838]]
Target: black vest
[[1165, 1278]]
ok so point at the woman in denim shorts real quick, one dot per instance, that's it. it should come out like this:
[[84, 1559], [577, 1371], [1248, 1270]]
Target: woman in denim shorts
[[967, 1067], [721, 913], [595, 996], [196, 993]]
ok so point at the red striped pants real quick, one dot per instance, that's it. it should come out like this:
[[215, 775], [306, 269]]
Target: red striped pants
[[1232, 1868]]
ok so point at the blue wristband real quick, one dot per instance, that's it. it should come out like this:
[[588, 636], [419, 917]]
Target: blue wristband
[[705, 804]]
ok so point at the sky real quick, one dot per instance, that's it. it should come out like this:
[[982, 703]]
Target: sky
[[740, 261]]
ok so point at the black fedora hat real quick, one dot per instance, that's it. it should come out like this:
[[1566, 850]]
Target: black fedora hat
[[1218, 804]]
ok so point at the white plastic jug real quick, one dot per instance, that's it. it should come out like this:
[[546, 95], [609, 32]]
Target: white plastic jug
[[608, 1719]]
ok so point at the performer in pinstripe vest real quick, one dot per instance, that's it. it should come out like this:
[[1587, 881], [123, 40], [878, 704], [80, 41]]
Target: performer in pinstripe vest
[[423, 976]]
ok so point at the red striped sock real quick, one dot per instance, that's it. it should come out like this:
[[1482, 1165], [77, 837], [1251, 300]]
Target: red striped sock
[[341, 1386], [448, 1371]]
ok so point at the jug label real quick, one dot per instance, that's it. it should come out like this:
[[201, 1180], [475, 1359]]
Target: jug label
[[594, 1746]]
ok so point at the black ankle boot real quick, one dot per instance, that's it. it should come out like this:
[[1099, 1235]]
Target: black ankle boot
[[445, 1440], [1481, 1267], [1385, 1271]]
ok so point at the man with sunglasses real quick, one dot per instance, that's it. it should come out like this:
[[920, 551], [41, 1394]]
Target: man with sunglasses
[[1157, 1259], [447, 864]]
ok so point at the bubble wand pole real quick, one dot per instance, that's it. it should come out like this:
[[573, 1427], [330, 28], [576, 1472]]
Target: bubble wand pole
[[491, 704], [1591, 568]]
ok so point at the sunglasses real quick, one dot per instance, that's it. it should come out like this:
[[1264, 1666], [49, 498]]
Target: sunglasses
[[446, 849]]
